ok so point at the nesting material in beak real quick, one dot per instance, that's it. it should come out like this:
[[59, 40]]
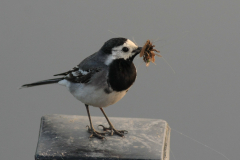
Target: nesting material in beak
[[148, 53]]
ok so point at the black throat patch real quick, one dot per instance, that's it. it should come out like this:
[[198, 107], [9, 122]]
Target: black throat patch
[[122, 74]]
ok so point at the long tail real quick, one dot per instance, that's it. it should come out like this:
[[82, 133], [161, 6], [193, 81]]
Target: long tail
[[48, 81]]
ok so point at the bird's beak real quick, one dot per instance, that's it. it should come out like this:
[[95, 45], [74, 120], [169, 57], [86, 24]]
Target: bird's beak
[[137, 51]]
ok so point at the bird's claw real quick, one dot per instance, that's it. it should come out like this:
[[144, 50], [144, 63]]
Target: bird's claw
[[113, 130], [95, 133]]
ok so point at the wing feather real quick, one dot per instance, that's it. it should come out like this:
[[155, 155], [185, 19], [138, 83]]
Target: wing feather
[[77, 75], [83, 72]]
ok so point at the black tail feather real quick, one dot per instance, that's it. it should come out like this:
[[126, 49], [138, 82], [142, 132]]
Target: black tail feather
[[48, 81]]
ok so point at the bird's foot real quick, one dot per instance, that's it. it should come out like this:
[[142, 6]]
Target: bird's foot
[[95, 133], [114, 131]]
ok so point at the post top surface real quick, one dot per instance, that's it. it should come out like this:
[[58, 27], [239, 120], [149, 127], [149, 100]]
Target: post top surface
[[66, 137]]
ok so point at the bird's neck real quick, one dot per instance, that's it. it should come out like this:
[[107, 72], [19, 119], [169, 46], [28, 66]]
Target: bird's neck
[[122, 74]]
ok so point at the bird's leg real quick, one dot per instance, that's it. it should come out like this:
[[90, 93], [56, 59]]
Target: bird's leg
[[91, 128], [111, 128]]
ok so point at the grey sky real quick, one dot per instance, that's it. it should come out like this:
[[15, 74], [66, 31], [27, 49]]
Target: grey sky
[[199, 39]]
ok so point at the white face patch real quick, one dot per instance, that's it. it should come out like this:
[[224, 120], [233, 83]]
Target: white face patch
[[118, 53]]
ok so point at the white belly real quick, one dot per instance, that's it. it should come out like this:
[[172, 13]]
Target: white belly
[[93, 96]]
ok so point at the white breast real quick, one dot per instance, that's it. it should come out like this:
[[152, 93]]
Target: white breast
[[93, 96]]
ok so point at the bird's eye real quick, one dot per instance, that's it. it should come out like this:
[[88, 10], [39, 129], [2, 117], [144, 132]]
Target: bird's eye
[[125, 49]]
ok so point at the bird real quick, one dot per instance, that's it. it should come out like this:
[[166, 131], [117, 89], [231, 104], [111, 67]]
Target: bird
[[101, 79]]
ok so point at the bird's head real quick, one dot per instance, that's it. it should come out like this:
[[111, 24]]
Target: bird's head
[[120, 48]]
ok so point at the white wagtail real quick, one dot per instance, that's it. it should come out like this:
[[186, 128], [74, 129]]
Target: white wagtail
[[101, 79]]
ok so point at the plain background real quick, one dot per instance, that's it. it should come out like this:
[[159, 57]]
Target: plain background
[[199, 39]]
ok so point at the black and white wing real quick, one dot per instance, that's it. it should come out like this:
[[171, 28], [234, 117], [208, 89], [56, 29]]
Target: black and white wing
[[76, 75], [83, 72]]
